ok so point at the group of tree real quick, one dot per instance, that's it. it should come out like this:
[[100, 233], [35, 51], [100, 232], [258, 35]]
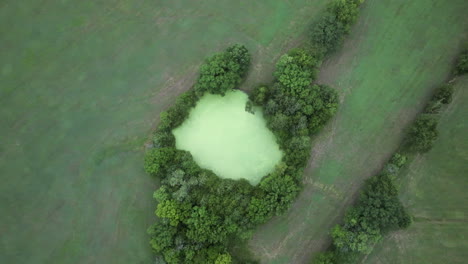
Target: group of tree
[[378, 209], [377, 212], [200, 214], [329, 31]]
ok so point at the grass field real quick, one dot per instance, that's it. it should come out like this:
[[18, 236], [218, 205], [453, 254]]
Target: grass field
[[434, 190], [398, 52], [82, 84]]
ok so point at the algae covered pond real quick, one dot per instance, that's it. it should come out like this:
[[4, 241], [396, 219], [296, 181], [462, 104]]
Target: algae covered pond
[[230, 141]]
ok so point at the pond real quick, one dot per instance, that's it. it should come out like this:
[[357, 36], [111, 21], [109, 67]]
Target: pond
[[228, 140]]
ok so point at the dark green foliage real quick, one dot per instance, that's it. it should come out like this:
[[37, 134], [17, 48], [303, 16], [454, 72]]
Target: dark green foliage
[[157, 161], [433, 107], [379, 204], [279, 190], [328, 32], [259, 95], [346, 11], [199, 212], [324, 258], [223, 71], [396, 162], [163, 139], [295, 70], [422, 134], [293, 106], [444, 94], [462, 63], [378, 211]]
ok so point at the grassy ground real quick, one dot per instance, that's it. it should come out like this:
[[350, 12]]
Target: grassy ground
[[398, 52], [434, 190], [81, 85]]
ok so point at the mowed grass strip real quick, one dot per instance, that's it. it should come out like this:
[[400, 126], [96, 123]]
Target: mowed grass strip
[[397, 53], [82, 84], [433, 188]]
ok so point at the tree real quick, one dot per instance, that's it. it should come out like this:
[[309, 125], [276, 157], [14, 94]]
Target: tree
[[279, 190], [327, 257], [379, 204], [422, 134], [295, 70], [204, 226], [259, 95], [327, 34], [360, 240], [163, 139], [346, 11], [162, 236], [239, 55], [157, 161], [223, 259], [174, 212], [223, 71]]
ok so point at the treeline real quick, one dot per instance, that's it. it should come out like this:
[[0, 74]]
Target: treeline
[[378, 209], [199, 214]]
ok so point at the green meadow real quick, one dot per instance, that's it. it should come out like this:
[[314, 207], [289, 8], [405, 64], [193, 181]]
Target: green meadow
[[433, 188], [396, 55], [82, 84]]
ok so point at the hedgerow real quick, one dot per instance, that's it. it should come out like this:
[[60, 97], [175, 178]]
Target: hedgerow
[[378, 209]]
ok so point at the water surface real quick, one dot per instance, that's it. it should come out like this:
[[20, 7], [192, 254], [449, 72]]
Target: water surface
[[225, 138]]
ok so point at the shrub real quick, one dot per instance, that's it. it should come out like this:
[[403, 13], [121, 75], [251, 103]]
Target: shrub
[[444, 94], [327, 257], [433, 107], [163, 139], [422, 134], [259, 95], [398, 160], [462, 63]]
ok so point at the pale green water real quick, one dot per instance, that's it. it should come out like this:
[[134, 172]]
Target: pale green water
[[225, 138]]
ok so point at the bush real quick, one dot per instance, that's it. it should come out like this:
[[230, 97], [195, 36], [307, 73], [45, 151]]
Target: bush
[[398, 160], [325, 258], [259, 95], [422, 134], [462, 63], [444, 94], [163, 139]]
